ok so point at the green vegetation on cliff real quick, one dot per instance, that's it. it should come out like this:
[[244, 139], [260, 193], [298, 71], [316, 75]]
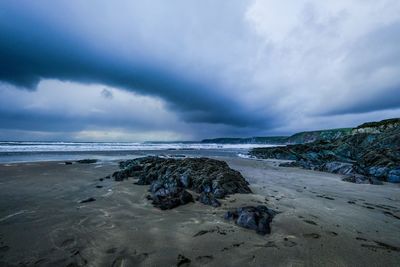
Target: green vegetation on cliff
[[298, 138], [379, 124], [311, 136]]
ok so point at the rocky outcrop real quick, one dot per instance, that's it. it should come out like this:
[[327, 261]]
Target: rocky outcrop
[[298, 138], [254, 218], [174, 181], [377, 127], [373, 154], [323, 135], [169, 179]]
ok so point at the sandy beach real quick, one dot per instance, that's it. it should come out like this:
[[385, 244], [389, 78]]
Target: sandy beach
[[323, 221]]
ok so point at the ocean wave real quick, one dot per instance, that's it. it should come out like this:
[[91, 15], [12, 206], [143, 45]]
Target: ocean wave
[[110, 146]]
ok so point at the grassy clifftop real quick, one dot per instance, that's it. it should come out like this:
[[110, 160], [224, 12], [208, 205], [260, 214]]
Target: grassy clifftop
[[298, 138], [312, 136]]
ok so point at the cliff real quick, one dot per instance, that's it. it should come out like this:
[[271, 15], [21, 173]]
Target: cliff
[[370, 153]]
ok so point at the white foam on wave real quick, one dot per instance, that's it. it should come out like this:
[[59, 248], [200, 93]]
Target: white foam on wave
[[100, 146], [244, 156]]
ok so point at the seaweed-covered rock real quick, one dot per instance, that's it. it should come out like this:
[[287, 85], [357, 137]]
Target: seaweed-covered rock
[[167, 177], [164, 199], [130, 169], [256, 218]]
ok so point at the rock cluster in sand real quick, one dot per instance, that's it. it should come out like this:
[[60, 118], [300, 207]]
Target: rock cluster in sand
[[169, 180], [211, 179]]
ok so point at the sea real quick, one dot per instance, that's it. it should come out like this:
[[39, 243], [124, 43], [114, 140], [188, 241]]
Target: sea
[[12, 152]]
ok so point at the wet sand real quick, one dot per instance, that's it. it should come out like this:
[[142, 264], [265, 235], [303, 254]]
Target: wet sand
[[323, 221]]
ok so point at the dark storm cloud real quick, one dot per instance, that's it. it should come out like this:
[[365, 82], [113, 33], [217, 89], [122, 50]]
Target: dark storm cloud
[[47, 121], [32, 49], [370, 103]]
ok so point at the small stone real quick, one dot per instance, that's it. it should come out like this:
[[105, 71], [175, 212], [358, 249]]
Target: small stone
[[250, 217], [90, 199], [86, 161]]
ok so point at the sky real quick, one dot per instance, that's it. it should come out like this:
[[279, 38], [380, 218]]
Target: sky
[[186, 70]]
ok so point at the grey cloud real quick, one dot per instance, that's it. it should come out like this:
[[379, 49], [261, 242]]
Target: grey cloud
[[222, 69], [107, 93], [369, 58]]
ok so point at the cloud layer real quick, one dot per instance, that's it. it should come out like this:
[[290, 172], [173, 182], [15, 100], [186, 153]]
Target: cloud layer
[[232, 67]]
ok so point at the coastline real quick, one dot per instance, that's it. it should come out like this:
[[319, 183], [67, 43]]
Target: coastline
[[322, 220], [47, 156]]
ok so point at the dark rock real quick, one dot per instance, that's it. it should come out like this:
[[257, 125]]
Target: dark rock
[[120, 175], [168, 178], [202, 232], [355, 178], [209, 199], [290, 164], [337, 167], [255, 218], [68, 163], [310, 222], [130, 168], [361, 179], [183, 261], [394, 176], [169, 200], [87, 161], [90, 199], [312, 235]]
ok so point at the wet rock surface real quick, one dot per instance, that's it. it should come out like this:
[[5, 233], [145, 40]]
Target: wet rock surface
[[369, 155], [255, 218], [169, 179]]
